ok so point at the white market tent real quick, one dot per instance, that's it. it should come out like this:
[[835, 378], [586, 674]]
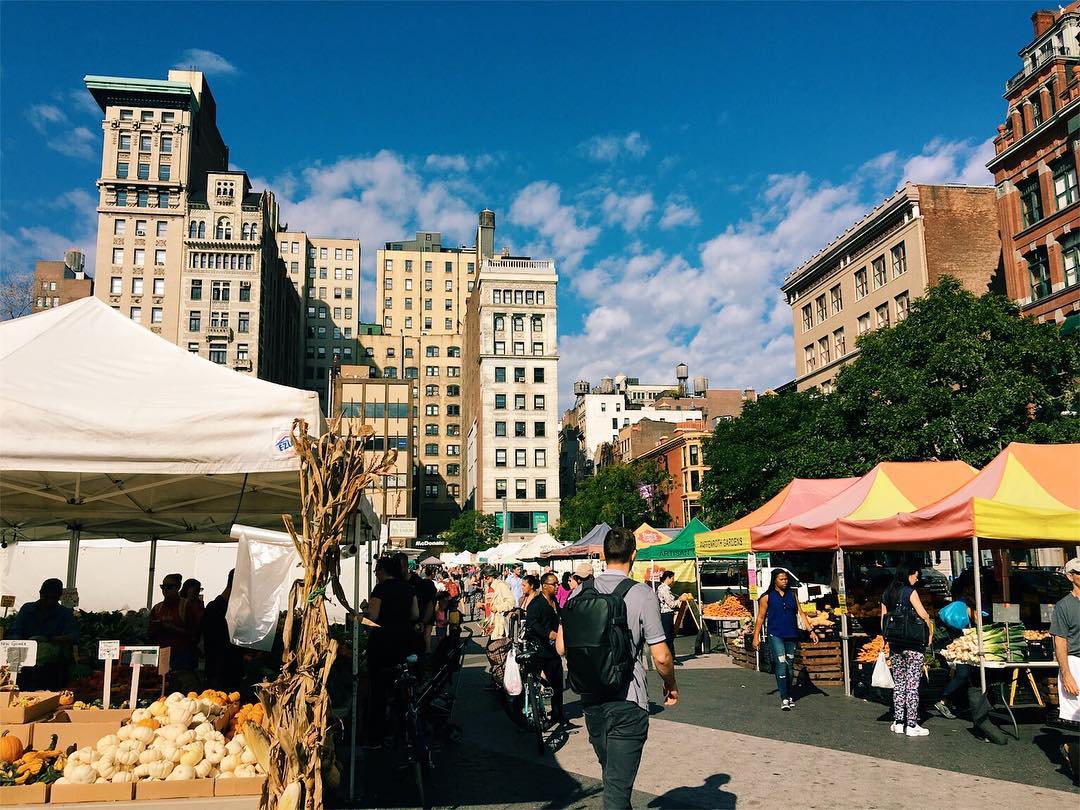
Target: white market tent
[[540, 545], [111, 431], [502, 553]]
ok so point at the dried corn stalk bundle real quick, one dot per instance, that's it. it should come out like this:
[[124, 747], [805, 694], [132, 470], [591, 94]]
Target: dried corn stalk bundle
[[333, 477]]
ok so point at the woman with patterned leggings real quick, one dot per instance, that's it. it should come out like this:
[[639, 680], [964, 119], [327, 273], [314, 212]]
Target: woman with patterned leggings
[[907, 660]]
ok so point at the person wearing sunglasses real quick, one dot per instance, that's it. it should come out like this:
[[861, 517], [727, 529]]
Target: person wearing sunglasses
[[173, 624], [542, 627]]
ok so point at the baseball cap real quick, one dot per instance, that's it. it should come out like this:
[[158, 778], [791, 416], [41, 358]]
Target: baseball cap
[[1073, 566], [583, 570]]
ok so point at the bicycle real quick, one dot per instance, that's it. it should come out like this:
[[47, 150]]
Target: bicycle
[[410, 727], [528, 709]]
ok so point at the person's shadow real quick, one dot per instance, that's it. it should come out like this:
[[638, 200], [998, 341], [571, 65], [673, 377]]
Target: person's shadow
[[710, 796]]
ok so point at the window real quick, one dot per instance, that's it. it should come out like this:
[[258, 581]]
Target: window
[[500, 428], [144, 171], [155, 315], [196, 289], [500, 402], [245, 290], [899, 260], [166, 143], [902, 302], [519, 402], [1030, 202], [860, 284], [159, 258], [161, 227], [879, 272], [500, 457], [116, 285], [431, 449], [219, 353], [163, 199], [823, 351], [453, 410], [521, 488], [807, 318], [500, 347], [223, 229], [388, 283], [322, 253], [136, 314], [121, 199], [137, 286], [1036, 111], [159, 286], [519, 348], [809, 358], [822, 310], [839, 344], [140, 227], [1065, 190], [539, 429], [146, 115], [519, 296], [519, 374], [193, 348], [499, 323], [500, 488], [241, 351], [1070, 258], [538, 402], [163, 171], [453, 390], [142, 199], [518, 323], [431, 371], [219, 290], [431, 430], [1039, 275], [431, 490], [243, 322], [125, 142], [122, 170], [500, 373], [118, 256], [864, 323], [431, 351], [519, 430], [144, 143], [194, 321], [836, 299], [427, 266], [427, 304], [882, 313]]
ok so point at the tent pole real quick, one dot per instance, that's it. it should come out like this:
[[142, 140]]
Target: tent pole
[[151, 574], [845, 640], [978, 610], [356, 646], [73, 556]]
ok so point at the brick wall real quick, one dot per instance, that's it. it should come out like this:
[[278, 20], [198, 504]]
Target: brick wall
[[960, 227]]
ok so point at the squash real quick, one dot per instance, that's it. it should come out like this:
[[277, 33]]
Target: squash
[[181, 772], [128, 752], [234, 697], [105, 767], [11, 747], [203, 730], [191, 754], [214, 751], [157, 708], [80, 774], [150, 755], [67, 699], [229, 763], [174, 697], [84, 756], [248, 757], [203, 768], [153, 770], [226, 775], [171, 731], [122, 776], [139, 715], [141, 733], [246, 772]]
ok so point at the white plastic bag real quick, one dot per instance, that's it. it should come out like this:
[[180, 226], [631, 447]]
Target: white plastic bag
[[882, 677], [265, 569], [512, 675]]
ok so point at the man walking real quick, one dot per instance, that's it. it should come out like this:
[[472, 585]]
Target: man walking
[[513, 581], [607, 670], [1065, 628]]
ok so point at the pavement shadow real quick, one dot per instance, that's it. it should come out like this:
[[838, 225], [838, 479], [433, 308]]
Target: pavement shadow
[[708, 796]]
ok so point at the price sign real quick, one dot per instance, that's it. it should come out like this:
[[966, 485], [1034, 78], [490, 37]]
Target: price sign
[[1005, 612], [7, 600], [751, 576], [108, 650], [18, 654], [69, 598], [841, 586], [138, 657]]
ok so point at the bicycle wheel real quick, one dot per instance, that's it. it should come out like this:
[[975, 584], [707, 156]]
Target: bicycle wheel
[[538, 716], [418, 753]]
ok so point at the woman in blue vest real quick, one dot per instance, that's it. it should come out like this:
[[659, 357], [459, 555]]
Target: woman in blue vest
[[780, 608]]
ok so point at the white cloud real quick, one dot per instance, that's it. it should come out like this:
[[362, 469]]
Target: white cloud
[[539, 206], [210, 63], [628, 210], [952, 162], [677, 213], [447, 163], [609, 148], [43, 116], [25, 245], [60, 134]]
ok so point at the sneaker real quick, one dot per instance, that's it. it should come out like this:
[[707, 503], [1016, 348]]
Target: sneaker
[[917, 731], [942, 708], [897, 728], [785, 705], [791, 703]]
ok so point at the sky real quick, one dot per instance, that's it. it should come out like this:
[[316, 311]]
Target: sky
[[676, 160]]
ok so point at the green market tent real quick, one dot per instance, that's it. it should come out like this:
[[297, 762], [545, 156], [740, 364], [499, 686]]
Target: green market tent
[[681, 548]]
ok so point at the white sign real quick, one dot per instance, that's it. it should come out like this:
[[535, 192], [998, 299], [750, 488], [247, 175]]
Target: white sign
[[403, 527], [18, 654], [140, 656], [108, 650], [69, 598]]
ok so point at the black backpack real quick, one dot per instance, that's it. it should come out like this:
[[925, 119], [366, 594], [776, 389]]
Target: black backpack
[[598, 643]]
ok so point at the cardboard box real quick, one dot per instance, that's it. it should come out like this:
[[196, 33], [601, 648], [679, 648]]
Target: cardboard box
[[95, 715], [24, 794], [179, 789], [67, 734], [47, 703], [76, 794], [24, 731], [239, 787]]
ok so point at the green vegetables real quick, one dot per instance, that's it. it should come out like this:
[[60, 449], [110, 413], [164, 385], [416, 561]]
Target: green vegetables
[[1000, 642]]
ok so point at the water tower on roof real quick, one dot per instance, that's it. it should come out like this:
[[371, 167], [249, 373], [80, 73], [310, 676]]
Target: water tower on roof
[[681, 374]]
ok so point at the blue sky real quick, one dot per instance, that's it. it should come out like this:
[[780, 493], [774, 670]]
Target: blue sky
[[676, 160]]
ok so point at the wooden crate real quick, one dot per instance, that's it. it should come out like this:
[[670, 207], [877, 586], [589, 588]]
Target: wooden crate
[[742, 656], [822, 663]]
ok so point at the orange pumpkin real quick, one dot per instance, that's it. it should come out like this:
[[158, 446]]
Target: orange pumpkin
[[11, 747], [149, 722], [234, 697], [67, 698]]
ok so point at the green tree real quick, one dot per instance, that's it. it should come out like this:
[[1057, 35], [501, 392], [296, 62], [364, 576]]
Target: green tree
[[471, 531], [613, 496], [959, 378]]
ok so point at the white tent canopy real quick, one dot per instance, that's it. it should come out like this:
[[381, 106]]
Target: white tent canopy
[[109, 430], [541, 544], [502, 553]]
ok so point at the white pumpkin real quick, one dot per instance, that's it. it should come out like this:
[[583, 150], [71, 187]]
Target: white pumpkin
[[124, 733], [234, 747], [230, 763], [105, 766], [154, 770], [224, 775], [214, 751], [215, 736], [246, 772], [185, 738], [198, 717], [175, 697], [203, 730], [181, 772], [101, 781], [157, 708], [239, 740], [121, 777], [171, 731], [248, 757], [84, 756], [150, 755], [139, 715], [127, 753], [80, 774], [107, 744], [192, 754], [143, 734], [203, 768]]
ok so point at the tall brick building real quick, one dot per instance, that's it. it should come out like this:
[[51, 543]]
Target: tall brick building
[[1035, 171], [59, 283], [867, 277]]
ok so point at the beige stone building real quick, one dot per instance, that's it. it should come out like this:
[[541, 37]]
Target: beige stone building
[[511, 416], [184, 246], [868, 276]]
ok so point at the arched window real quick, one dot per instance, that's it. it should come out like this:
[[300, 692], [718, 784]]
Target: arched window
[[244, 231], [224, 229], [202, 230], [193, 229]]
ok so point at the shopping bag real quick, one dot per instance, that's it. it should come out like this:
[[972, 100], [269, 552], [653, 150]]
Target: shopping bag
[[512, 676], [882, 677]]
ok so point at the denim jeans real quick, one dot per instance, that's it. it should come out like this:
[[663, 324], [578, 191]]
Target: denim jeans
[[617, 731], [783, 655]]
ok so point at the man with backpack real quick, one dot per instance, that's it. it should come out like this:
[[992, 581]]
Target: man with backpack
[[606, 623]]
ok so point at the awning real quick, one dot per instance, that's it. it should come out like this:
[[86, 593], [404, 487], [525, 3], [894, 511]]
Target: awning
[[681, 548], [646, 535], [591, 545]]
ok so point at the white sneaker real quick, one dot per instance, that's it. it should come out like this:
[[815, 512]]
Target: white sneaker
[[784, 706], [917, 731], [791, 703], [898, 728]]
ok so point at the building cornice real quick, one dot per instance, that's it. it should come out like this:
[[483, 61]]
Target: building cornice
[[1062, 114]]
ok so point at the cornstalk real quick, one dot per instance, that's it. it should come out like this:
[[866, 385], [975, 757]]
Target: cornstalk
[[333, 477]]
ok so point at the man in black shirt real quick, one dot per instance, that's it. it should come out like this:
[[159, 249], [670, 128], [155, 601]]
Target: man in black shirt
[[542, 627], [392, 607], [424, 589], [224, 660]]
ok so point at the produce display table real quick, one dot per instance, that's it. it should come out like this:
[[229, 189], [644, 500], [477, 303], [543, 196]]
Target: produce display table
[[1006, 683], [717, 627], [223, 802], [823, 663]]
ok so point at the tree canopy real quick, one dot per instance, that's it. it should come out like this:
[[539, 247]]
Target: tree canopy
[[960, 378], [613, 496], [472, 531]]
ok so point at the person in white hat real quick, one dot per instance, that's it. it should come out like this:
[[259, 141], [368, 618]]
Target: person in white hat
[[1065, 627]]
